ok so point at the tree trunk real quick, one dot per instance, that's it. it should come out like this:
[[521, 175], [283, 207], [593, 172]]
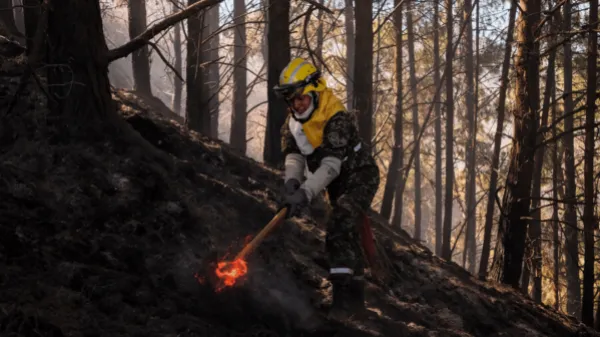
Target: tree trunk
[[87, 106], [470, 248], [415, 119], [587, 314], [197, 114], [140, 58], [32, 16], [491, 202], [238, 115], [555, 186], [84, 48], [535, 229], [213, 69], [570, 216], [279, 54], [19, 17], [397, 161], [438, 128], [264, 48], [363, 70], [449, 198], [177, 83], [319, 49], [350, 53], [516, 201]]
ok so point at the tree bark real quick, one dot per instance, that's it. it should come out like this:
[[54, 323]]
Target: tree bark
[[587, 314], [75, 40], [140, 58], [197, 114], [470, 244], [535, 227], [449, 197], [570, 216], [319, 49], [279, 54], [415, 119], [32, 16], [177, 83], [83, 48], [350, 53], [438, 129], [238, 115], [213, 70], [555, 224], [516, 201], [491, 202], [397, 161], [363, 70]]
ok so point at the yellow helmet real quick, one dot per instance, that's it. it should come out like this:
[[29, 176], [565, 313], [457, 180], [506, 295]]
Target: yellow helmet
[[299, 77]]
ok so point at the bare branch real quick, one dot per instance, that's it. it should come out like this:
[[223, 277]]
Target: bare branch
[[143, 39], [164, 59]]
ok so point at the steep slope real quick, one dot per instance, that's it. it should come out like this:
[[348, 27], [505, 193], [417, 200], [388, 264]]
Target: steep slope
[[97, 238]]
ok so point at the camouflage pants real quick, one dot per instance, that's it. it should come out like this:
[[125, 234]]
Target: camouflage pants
[[350, 198]]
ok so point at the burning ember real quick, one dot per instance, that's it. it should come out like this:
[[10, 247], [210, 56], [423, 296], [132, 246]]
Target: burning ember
[[229, 272]]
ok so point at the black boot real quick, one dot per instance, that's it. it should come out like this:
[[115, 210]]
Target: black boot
[[348, 297]]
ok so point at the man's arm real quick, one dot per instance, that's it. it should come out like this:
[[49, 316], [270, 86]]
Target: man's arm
[[334, 146], [294, 160]]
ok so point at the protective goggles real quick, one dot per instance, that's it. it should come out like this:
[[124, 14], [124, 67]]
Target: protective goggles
[[293, 90], [289, 91]]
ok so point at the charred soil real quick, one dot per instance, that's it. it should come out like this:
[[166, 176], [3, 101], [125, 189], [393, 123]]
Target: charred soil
[[98, 238]]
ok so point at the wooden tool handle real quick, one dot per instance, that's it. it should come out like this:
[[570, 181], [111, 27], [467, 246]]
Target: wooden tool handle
[[262, 234]]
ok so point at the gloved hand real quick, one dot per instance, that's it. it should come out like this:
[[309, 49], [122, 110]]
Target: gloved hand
[[290, 186], [295, 202]]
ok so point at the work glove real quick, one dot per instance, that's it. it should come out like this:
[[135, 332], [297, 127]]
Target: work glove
[[290, 186], [295, 202]]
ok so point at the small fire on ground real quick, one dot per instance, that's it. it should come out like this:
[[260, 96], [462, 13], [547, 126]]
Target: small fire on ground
[[230, 271]]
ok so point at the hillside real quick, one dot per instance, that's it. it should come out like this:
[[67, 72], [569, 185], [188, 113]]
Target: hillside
[[97, 238]]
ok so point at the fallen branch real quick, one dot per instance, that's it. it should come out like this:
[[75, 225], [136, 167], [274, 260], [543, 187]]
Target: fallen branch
[[143, 39]]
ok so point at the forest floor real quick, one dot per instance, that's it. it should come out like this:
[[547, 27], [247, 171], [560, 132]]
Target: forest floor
[[99, 239]]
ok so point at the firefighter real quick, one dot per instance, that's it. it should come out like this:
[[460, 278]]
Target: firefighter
[[321, 135]]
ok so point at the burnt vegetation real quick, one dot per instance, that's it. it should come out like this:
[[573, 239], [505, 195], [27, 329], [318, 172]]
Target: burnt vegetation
[[115, 208]]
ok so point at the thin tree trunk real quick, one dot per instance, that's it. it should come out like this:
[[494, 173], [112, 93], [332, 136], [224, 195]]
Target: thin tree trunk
[[449, 198], [140, 59], [470, 244], [516, 201], [535, 229], [177, 83], [363, 70], [238, 115], [213, 69], [32, 16], [438, 129], [491, 202], [350, 53], [197, 116], [265, 40], [319, 49], [415, 119], [572, 250], [279, 54], [555, 187], [587, 314], [397, 161]]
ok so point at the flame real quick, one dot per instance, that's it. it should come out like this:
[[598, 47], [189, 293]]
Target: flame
[[230, 272]]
